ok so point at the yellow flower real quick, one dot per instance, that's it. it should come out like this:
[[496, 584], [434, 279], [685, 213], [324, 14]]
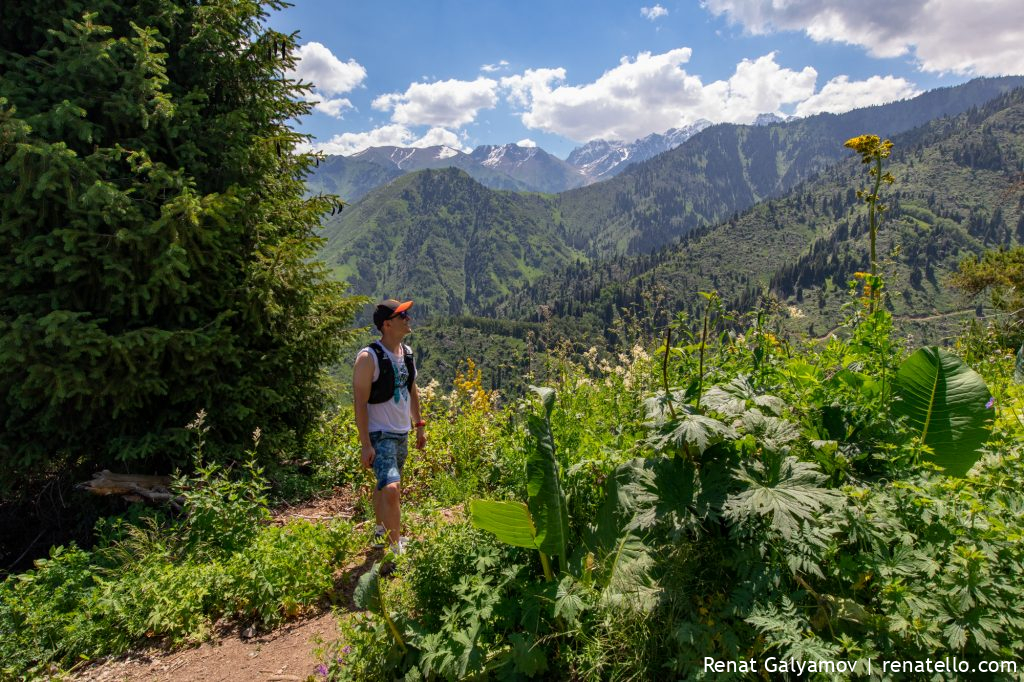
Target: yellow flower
[[869, 147], [469, 387]]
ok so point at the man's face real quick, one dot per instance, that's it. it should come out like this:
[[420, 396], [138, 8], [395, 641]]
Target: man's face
[[401, 323]]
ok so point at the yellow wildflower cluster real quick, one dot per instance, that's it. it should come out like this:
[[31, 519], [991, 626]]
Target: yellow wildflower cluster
[[869, 147], [872, 150], [872, 287], [469, 387]]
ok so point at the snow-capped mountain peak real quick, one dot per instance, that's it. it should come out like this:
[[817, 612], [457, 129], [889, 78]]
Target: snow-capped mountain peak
[[496, 156], [600, 159]]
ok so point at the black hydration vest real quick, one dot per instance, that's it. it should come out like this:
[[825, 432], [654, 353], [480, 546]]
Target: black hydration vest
[[383, 389]]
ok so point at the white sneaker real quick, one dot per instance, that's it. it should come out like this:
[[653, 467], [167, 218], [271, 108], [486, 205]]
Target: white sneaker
[[398, 548]]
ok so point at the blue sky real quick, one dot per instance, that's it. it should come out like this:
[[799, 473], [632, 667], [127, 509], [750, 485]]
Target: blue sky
[[560, 73]]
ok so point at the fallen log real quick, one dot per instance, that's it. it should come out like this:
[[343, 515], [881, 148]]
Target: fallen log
[[153, 488]]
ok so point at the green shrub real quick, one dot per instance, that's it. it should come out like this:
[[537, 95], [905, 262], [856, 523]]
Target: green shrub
[[286, 568], [438, 562], [171, 578]]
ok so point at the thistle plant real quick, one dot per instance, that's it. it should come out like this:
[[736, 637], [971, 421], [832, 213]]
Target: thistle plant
[[714, 305], [872, 150]]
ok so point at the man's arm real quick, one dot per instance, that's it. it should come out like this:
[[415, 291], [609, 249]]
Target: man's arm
[[362, 380], [417, 416]]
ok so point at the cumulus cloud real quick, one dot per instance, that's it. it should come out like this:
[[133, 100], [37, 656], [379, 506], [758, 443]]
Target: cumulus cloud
[[526, 142], [653, 13], [491, 68], [654, 92], [521, 88], [450, 103], [440, 136], [333, 107], [758, 86], [840, 94], [985, 37], [385, 136], [328, 74]]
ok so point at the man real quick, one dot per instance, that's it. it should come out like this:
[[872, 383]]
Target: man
[[387, 403]]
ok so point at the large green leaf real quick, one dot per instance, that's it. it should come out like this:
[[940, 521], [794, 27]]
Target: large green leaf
[[510, 522], [945, 400], [367, 592], [737, 396], [546, 501], [626, 575], [368, 596], [786, 492], [689, 431], [528, 654]]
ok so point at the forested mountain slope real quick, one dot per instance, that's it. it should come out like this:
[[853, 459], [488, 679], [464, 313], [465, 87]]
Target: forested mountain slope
[[958, 190], [349, 178], [502, 241], [728, 168], [446, 240]]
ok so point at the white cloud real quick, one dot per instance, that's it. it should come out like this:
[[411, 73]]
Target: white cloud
[[328, 74], [757, 87], [982, 37], [440, 136], [389, 135], [653, 13], [491, 68], [652, 94], [450, 103], [526, 142], [333, 107], [521, 88], [840, 94]]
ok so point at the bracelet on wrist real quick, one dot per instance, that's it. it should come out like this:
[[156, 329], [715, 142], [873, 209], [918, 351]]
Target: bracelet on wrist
[[420, 424]]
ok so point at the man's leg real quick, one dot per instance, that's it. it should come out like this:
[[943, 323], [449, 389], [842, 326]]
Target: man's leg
[[391, 453], [389, 511]]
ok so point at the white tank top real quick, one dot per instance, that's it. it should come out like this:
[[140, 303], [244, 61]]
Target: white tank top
[[391, 415]]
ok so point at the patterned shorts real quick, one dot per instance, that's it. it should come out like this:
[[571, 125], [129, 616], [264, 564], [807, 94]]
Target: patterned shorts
[[392, 449]]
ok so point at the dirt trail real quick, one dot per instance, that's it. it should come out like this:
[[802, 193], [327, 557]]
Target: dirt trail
[[285, 654]]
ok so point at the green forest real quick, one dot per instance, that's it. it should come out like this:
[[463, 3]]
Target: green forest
[[680, 425]]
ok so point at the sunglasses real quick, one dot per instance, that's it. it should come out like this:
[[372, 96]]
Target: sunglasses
[[403, 315]]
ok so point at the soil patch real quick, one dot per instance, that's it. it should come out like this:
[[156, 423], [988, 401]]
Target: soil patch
[[341, 504], [287, 653]]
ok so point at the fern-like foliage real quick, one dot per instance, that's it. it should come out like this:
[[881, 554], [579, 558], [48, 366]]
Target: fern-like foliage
[[627, 576], [786, 628]]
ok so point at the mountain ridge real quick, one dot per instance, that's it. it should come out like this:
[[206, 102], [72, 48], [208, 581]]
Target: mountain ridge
[[718, 173], [956, 178], [728, 168]]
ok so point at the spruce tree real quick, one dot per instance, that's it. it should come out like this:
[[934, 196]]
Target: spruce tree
[[156, 249]]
